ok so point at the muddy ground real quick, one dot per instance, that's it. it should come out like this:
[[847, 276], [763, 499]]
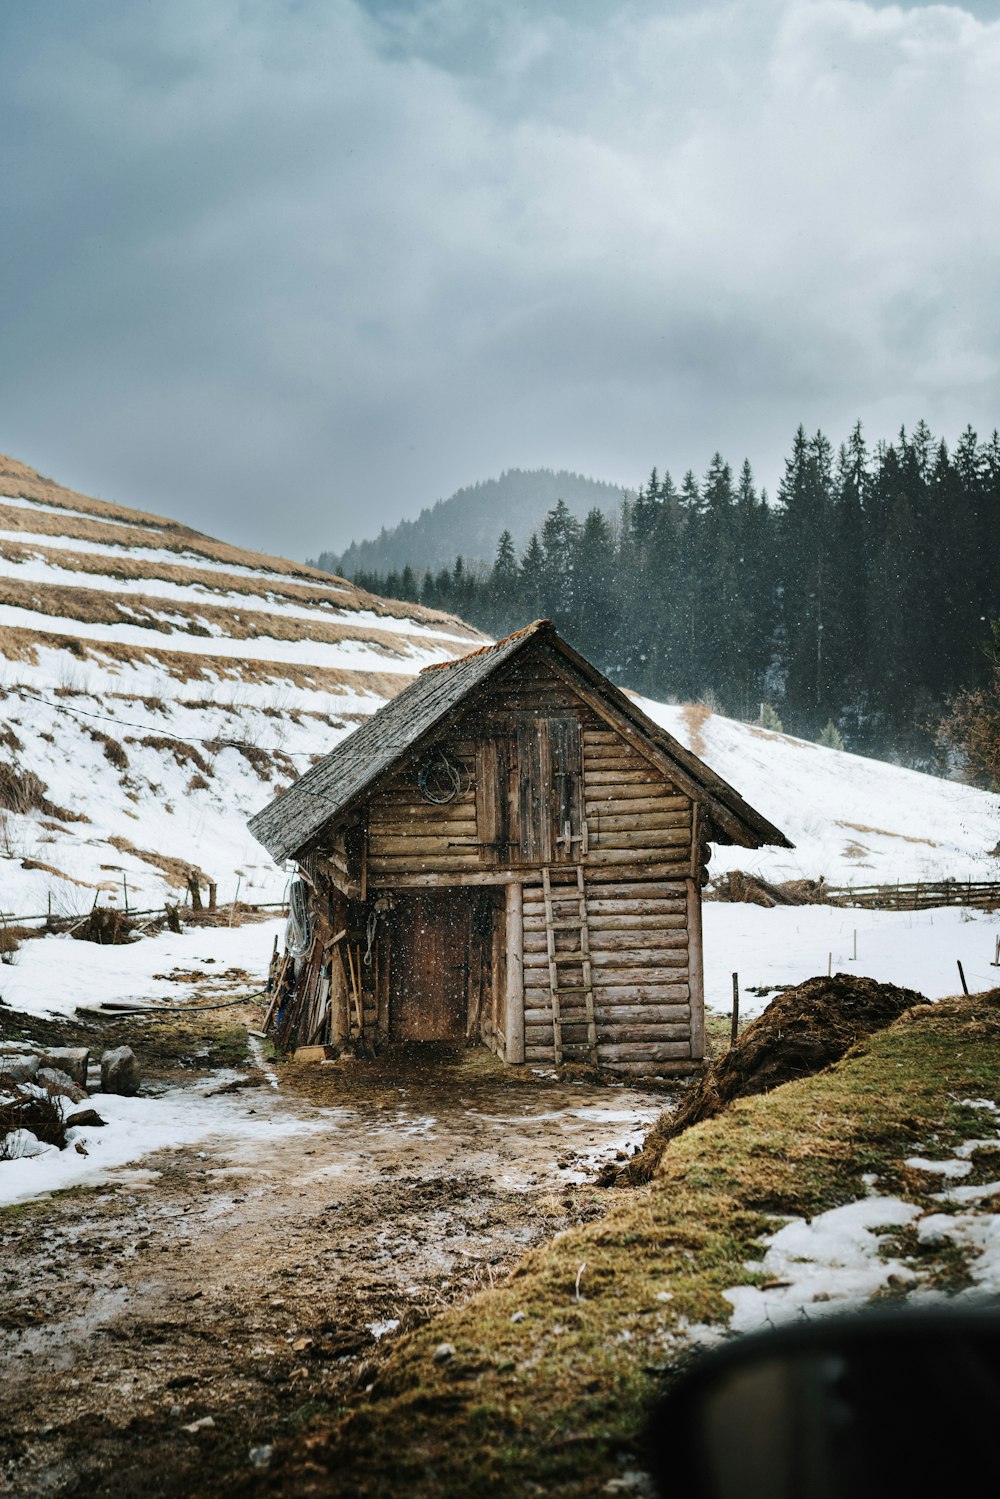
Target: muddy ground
[[161, 1328]]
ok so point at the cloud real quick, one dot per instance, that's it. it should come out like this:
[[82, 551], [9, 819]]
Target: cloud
[[292, 270]]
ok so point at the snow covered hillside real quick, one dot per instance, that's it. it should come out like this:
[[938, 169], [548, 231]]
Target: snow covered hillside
[[854, 820], [157, 686]]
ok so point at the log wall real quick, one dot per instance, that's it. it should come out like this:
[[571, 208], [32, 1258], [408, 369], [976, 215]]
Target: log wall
[[640, 971], [640, 848]]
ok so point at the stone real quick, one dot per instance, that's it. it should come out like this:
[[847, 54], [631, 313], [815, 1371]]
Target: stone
[[204, 1424], [59, 1084], [120, 1072], [73, 1060], [82, 1118], [18, 1069], [443, 1352], [260, 1456]]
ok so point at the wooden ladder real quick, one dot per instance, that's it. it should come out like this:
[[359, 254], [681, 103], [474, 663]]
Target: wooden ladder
[[579, 958]]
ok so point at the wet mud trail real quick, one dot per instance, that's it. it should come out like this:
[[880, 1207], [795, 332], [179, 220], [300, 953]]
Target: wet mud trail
[[160, 1330]]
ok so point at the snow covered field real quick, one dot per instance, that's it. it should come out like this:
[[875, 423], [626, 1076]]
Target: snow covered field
[[914, 949]]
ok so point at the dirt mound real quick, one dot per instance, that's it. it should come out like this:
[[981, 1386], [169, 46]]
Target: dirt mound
[[802, 1031]]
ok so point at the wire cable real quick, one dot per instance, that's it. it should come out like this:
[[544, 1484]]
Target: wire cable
[[126, 723]]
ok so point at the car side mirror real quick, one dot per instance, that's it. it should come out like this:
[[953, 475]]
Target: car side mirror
[[862, 1406]]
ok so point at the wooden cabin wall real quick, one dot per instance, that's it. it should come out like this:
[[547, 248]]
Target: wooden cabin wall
[[641, 974], [409, 835], [640, 849]]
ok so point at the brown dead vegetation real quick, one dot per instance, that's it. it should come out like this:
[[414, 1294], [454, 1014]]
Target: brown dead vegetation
[[753, 889], [23, 791], [341, 596], [18, 644], [99, 520], [28, 484], [176, 872], [105, 925], [61, 875], [800, 1033], [22, 1108], [185, 754], [179, 617], [695, 716], [861, 827], [113, 751]]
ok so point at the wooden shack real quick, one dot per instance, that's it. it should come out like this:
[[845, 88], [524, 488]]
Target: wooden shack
[[508, 853]]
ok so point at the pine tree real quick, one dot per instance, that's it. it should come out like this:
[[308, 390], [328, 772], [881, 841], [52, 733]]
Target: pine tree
[[560, 536], [596, 615], [830, 736], [502, 592], [532, 573]]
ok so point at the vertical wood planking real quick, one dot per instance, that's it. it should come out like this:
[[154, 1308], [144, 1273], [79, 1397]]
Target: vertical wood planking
[[514, 1018], [696, 970]]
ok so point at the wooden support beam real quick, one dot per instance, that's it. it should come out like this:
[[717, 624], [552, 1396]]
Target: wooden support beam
[[514, 1028], [696, 970]]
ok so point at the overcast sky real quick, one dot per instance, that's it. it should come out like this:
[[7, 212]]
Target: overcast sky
[[292, 269]]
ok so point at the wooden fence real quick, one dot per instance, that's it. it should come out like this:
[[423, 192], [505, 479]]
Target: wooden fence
[[916, 897], [209, 915]]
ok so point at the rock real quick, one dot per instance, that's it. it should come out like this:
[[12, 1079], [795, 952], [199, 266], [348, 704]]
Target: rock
[[120, 1072], [260, 1456], [18, 1069], [59, 1083], [89, 1117], [73, 1060], [206, 1421], [443, 1352]]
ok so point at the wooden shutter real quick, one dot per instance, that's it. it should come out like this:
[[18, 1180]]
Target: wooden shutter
[[497, 799]]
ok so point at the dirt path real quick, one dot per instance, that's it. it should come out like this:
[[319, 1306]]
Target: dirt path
[[246, 1280]]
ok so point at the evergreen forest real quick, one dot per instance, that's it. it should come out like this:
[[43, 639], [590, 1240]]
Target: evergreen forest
[[853, 608]]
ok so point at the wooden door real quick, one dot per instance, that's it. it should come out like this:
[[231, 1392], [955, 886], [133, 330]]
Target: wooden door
[[429, 975], [550, 795]]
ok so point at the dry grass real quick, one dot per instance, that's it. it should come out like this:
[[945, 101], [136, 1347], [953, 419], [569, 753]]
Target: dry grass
[[176, 872], [861, 827], [184, 754], [91, 519], [695, 716], [19, 644], [282, 586], [113, 751], [23, 791], [27, 483], [61, 875], [168, 617], [554, 1402]]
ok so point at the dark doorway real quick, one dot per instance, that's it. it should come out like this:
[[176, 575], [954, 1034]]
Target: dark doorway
[[429, 977]]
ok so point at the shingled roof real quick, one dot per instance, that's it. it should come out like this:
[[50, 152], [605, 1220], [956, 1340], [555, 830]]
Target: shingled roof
[[333, 786]]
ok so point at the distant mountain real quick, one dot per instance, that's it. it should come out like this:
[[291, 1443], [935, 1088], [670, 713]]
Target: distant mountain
[[469, 524]]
